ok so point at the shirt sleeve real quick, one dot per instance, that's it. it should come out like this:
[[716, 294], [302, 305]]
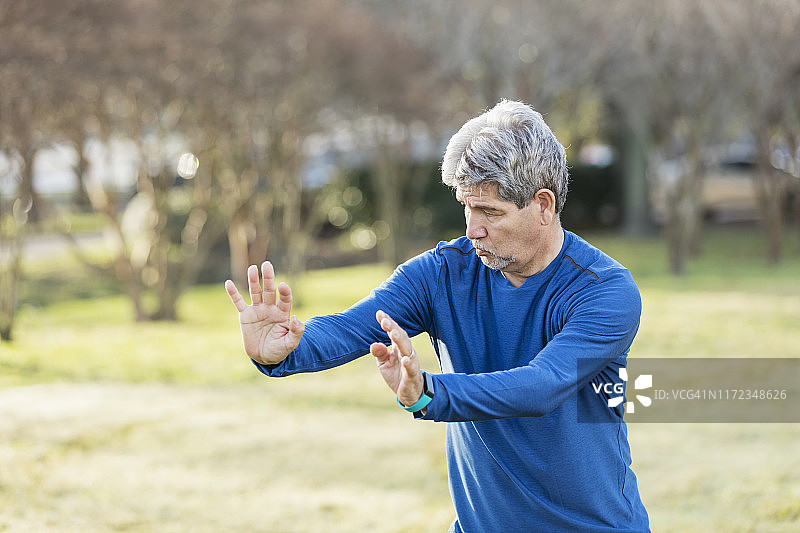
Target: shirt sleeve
[[336, 339], [599, 329]]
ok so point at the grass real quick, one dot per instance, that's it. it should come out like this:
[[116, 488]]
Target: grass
[[111, 425], [95, 338]]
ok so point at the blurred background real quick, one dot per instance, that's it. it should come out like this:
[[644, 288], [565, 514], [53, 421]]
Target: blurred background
[[149, 150]]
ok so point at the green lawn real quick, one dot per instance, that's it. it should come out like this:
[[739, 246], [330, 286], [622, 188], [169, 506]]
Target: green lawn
[[111, 425]]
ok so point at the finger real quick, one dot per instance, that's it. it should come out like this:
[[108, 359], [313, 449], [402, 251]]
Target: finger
[[386, 355], [379, 351], [397, 334], [236, 298], [268, 273], [380, 315], [410, 367], [296, 329], [284, 298], [254, 285], [402, 341], [387, 323]]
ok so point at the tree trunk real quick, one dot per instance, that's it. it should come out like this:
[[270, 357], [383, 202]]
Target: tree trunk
[[678, 230], [797, 207], [772, 196], [635, 200], [237, 242], [168, 301], [389, 197], [262, 222], [296, 240], [80, 196], [12, 228], [10, 256], [684, 217], [249, 236], [27, 192]]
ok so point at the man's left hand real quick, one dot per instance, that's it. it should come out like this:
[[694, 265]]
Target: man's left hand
[[399, 365]]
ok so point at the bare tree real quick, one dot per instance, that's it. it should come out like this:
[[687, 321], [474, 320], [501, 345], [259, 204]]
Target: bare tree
[[13, 219], [763, 39], [22, 92], [244, 84], [661, 70]]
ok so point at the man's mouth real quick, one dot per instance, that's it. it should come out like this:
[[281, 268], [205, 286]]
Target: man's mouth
[[480, 250], [491, 259]]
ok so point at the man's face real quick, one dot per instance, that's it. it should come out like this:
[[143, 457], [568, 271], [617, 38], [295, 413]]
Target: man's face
[[505, 237]]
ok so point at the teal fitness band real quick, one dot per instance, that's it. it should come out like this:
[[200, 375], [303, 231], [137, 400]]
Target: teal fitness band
[[423, 402], [425, 399]]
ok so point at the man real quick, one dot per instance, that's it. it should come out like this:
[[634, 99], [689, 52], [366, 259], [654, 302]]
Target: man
[[523, 316]]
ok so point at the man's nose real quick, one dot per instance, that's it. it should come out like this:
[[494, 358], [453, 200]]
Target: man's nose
[[475, 230]]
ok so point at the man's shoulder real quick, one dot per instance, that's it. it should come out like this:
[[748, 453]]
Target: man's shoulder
[[593, 262], [604, 281], [461, 246], [430, 262], [455, 256]]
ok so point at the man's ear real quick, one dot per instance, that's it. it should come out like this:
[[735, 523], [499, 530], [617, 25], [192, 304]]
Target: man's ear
[[545, 204]]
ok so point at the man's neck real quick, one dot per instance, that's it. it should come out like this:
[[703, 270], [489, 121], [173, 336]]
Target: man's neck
[[549, 250]]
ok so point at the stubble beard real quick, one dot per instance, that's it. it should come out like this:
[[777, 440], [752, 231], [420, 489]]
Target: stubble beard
[[493, 261]]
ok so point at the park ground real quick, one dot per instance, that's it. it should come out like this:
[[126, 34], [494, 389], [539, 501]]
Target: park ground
[[110, 425]]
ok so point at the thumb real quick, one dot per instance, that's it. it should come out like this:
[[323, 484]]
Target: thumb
[[295, 333], [380, 351], [411, 363], [410, 366], [410, 389], [410, 370]]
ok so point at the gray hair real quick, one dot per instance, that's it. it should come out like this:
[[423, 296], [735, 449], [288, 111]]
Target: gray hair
[[512, 146]]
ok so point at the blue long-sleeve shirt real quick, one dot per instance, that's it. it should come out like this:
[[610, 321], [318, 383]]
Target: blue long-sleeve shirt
[[511, 385]]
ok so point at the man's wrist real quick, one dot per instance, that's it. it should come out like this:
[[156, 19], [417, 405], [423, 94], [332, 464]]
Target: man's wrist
[[424, 399], [420, 404]]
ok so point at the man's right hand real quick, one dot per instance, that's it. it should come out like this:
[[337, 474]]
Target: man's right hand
[[269, 331]]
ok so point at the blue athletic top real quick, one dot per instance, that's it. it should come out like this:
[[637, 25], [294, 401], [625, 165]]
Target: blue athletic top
[[511, 387]]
